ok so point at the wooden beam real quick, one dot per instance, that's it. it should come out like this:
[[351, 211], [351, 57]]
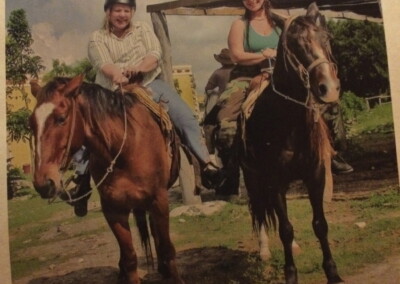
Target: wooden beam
[[161, 30], [225, 11], [188, 3], [369, 8]]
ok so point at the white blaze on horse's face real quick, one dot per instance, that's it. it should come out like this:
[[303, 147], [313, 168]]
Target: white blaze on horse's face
[[41, 115]]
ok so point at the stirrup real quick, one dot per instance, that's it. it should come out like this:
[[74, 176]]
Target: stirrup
[[212, 176]]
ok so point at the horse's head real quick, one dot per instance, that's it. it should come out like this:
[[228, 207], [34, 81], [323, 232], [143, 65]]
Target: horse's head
[[55, 128], [304, 51]]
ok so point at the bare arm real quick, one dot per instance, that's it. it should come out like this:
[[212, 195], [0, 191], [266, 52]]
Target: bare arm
[[114, 72], [149, 63], [238, 54]]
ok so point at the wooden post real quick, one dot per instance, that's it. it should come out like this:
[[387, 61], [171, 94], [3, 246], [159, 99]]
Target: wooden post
[[186, 172], [187, 181], [161, 30]]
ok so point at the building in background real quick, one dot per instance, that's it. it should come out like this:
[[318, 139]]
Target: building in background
[[186, 87]]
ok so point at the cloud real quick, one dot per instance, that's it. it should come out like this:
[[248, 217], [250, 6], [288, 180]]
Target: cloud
[[195, 40], [61, 29], [69, 47]]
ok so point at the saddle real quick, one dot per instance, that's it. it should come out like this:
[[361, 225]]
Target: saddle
[[257, 85], [165, 123]]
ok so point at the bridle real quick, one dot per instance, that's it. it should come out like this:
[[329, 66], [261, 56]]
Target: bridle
[[302, 72], [65, 164]]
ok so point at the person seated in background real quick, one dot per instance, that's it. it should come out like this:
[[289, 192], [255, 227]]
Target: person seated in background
[[216, 84]]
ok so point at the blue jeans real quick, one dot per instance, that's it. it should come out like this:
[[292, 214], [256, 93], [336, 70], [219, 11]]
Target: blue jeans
[[182, 118]]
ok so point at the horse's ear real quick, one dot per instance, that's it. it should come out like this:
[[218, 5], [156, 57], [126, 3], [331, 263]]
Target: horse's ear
[[313, 12], [35, 87], [72, 87]]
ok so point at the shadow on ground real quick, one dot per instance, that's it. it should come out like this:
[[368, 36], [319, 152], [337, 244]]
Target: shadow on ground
[[211, 265]]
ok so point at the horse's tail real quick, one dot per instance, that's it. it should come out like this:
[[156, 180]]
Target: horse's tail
[[262, 212], [141, 223]]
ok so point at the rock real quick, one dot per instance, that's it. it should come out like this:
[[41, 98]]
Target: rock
[[207, 208], [361, 225]]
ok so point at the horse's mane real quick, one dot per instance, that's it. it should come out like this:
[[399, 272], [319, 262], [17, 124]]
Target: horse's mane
[[301, 27], [101, 103]]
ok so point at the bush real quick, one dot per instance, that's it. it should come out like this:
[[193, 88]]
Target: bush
[[13, 175], [352, 106]]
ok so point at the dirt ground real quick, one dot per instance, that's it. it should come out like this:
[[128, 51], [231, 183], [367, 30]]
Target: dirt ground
[[98, 263]]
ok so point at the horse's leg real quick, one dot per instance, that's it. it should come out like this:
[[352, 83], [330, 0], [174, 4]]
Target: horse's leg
[[320, 226], [263, 241], [119, 224], [286, 235], [166, 255]]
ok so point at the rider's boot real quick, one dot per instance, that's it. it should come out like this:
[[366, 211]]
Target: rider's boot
[[78, 196], [212, 176]]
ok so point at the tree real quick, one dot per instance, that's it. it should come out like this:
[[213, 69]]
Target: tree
[[60, 69], [359, 47], [21, 65]]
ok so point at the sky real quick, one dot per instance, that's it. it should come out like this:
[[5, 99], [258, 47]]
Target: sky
[[61, 29]]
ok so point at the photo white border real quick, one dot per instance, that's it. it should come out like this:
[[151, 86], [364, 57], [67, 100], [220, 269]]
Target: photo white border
[[390, 11]]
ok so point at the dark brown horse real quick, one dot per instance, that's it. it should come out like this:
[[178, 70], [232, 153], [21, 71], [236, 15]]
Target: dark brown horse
[[130, 161], [286, 139]]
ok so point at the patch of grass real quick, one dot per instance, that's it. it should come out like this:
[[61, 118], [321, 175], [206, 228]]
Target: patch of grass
[[23, 267], [226, 228], [377, 120], [229, 229], [29, 219]]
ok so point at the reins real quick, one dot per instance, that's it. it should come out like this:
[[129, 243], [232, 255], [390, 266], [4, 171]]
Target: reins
[[109, 169], [303, 73]]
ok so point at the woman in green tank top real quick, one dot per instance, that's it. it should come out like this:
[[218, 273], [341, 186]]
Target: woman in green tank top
[[252, 39]]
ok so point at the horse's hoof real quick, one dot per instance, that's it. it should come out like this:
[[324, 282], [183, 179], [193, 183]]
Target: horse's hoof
[[291, 275]]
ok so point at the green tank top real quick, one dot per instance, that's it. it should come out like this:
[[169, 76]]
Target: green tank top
[[255, 42]]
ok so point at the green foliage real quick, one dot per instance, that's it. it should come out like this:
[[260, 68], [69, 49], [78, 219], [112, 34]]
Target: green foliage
[[15, 173], [17, 125], [60, 69], [20, 61], [21, 64], [359, 47], [351, 106]]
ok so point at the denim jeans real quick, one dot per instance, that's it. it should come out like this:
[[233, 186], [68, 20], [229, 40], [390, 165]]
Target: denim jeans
[[182, 117]]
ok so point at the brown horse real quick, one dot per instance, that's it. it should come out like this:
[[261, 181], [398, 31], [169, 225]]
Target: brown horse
[[130, 162], [285, 138]]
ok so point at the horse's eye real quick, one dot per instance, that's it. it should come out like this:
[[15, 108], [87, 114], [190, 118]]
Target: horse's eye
[[60, 120]]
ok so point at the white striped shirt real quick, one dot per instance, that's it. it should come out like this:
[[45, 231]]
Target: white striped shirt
[[104, 48]]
